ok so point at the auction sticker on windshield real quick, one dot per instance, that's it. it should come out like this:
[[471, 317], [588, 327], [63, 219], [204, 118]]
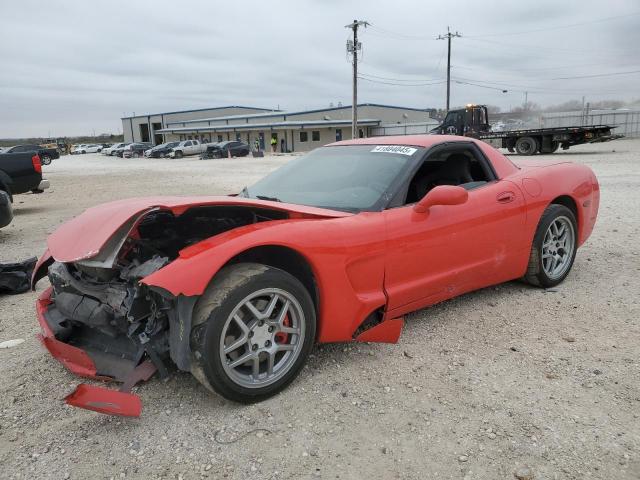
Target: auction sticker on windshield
[[402, 150]]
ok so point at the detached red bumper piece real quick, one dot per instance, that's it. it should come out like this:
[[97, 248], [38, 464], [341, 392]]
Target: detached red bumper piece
[[103, 400], [93, 364]]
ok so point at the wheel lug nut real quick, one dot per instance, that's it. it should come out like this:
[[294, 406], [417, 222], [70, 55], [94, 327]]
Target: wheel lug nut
[[254, 347], [267, 343], [251, 334], [261, 323], [270, 329]]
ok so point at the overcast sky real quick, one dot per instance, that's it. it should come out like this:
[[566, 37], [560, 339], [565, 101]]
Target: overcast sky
[[74, 67]]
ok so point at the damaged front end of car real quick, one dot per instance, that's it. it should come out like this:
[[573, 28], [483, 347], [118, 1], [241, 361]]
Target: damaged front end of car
[[102, 321]]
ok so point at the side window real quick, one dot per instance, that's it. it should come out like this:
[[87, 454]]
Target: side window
[[459, 166], [187, 143]]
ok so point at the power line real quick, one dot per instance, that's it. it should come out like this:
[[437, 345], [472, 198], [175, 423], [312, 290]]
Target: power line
[[557, 27], [554, 49], [597, 75], [481, 86], [401, 84], [526, 88], [398, 35], [557, 67], [448, 37], [400, 79]]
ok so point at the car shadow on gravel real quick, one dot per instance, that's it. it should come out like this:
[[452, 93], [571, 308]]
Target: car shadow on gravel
[[17, 211]]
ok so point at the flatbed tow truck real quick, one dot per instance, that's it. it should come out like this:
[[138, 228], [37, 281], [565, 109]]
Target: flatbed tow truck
[[473, 121]]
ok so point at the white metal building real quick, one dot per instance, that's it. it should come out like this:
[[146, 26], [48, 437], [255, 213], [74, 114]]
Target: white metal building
[[293, 131]]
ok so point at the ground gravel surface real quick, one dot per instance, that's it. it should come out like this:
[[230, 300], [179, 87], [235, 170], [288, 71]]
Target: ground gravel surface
[[507, 382]]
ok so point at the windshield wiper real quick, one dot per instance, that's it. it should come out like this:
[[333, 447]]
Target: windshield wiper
[[272, 199]]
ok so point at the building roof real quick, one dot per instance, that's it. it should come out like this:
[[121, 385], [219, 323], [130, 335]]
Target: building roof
[[199, 110], [258, 126], [278, 113]]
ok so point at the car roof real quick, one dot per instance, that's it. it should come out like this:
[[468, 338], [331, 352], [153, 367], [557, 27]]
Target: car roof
[[501, 164], [424, 140]]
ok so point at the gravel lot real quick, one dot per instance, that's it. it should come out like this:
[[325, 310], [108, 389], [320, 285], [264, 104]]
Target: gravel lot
[[508, 380]]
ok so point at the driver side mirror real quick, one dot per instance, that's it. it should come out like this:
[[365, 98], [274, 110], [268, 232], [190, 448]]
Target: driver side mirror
[[441, 195]]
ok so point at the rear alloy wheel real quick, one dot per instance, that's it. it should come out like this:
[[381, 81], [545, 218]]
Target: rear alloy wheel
[[253, 330], [178, 154], [554, 247], [527, 146], [45, 160]]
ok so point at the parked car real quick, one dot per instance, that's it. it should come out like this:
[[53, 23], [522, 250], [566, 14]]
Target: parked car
[[335, 246], [160, 151], [117, 152], [232, 148], [188, 147], [76, 148], [109, 150], [20, 172], [88, 148], [6, 209], [135, 150], [46, 155]]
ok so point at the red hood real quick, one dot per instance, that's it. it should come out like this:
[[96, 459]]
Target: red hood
[[84, 236]]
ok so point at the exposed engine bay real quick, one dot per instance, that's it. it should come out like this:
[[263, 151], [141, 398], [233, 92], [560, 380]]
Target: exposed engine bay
[[113, 317]]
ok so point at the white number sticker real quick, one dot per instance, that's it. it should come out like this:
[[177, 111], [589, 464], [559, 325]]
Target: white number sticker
[[400, 149]]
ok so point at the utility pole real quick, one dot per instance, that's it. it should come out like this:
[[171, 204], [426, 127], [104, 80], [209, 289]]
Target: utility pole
[[526, 101], [448, 37], [353, 46]]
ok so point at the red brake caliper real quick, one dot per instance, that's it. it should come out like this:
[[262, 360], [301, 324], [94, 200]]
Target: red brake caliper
[[282, 337]]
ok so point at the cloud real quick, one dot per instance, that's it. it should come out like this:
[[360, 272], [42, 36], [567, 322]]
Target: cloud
[[73, 67]]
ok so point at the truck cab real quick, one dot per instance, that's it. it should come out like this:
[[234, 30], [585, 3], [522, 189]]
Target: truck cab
[[468, 121]]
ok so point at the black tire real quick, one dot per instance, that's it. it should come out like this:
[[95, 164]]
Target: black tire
[[553, 148], [224, 294], [536, 274], [83, 151], [527, 146], [45, 160], [178, 154]]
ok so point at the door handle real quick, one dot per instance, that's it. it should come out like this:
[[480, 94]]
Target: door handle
[[506, 197]]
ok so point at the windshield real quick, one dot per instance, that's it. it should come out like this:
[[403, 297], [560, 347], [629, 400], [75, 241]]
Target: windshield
[[349, 177]]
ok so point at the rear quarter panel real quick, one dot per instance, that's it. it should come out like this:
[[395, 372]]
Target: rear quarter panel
[[542, 185]]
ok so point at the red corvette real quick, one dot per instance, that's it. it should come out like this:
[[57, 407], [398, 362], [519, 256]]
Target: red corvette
[[335, 246]]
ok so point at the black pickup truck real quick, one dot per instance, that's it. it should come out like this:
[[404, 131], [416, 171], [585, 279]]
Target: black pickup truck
[[19, 173], [46, 154]]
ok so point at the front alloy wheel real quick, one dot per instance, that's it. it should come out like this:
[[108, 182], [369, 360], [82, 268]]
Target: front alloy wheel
[[253, 329], [262, 338]]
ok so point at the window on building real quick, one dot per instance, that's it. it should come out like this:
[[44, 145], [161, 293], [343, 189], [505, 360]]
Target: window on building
[[315, 136], [304, 137], [219, 138], [144, 132], [338, 134], [361, 133]]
